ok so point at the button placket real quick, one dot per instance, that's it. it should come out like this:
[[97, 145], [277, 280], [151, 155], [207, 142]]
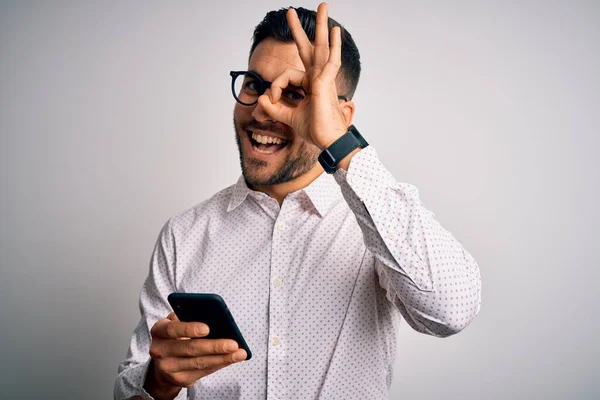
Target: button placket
[[280, 226], [278, 299]]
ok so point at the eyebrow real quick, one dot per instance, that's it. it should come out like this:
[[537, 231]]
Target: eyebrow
[[256, 72]]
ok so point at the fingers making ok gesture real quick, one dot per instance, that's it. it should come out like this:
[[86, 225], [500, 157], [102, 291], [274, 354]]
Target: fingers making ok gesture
[[321, 118]]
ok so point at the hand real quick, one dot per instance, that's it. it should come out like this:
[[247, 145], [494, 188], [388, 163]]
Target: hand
[[180, 355], [319, 118]]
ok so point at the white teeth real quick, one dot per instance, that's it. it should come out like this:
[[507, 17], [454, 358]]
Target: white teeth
[[266, 139], [263, 151]]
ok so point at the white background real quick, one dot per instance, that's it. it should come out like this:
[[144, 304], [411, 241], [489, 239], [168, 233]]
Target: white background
[[115, 116]]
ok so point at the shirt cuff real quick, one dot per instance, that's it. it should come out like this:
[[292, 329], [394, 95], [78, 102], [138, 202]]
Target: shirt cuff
[[133, 384]]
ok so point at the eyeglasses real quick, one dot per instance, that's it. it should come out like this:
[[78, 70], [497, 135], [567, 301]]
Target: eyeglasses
[[248, 86]]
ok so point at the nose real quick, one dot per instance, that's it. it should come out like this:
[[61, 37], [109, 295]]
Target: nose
[[259, 113]]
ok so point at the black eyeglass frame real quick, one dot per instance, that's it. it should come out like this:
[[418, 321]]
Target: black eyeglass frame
[[264, 85]]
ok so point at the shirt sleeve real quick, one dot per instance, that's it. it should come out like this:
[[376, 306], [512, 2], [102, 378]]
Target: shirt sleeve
[[153, 306], [425, 271]]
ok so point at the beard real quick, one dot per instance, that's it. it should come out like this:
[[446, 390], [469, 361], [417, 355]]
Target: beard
[[255, 171]]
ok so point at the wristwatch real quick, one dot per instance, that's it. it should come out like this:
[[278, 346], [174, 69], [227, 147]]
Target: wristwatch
[[331, 156]]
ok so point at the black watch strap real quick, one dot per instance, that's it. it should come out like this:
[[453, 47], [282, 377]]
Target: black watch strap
[[331, 156]]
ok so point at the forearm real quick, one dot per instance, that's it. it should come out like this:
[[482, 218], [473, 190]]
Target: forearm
[[426, 272], [131, 380]]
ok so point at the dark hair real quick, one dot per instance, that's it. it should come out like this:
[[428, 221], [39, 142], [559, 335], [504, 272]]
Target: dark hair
[[275, 26]]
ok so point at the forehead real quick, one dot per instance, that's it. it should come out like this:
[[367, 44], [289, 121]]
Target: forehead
[[271, 58]]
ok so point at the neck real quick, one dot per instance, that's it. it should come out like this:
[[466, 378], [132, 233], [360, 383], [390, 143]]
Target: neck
[[279, 191]]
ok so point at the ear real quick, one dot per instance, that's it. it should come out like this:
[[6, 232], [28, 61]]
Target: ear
[[348, 108]]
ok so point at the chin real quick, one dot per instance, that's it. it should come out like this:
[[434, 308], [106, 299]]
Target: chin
[[257, 175]]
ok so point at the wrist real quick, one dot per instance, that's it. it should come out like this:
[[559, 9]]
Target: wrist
[[339, 153], [157, 386], [323, 144], [345, 162]]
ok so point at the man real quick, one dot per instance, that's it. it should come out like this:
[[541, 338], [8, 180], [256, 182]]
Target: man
[[317, 267]]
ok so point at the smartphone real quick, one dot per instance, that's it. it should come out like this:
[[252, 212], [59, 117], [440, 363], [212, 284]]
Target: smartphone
[[208, 308]]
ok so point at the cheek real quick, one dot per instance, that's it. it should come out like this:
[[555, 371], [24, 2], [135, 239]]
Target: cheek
[[242, 113], [237, 116], [302, 147]]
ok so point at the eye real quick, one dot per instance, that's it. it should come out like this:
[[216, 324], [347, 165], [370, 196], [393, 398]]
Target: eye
[[250, 86], [293, 96]]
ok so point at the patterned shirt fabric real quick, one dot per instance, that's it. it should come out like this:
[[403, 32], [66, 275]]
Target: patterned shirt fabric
[[318, 286]]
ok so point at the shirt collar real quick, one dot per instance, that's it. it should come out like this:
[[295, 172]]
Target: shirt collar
[[239, 193], [323, 193]]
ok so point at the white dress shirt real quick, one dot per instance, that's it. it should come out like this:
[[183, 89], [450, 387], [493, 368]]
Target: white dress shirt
[[318, 286]]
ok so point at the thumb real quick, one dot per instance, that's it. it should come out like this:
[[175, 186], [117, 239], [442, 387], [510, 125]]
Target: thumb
[[173, 317]]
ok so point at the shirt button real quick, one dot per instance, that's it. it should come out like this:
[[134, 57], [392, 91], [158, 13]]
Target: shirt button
[[281, 226], [276, 341], [277, 282]]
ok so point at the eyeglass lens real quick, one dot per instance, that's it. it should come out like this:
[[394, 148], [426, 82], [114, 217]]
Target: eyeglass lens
[[247, 87]]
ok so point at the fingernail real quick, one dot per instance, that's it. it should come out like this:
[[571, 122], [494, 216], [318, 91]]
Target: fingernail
[[202, 330], [231, 346], [239, 356]]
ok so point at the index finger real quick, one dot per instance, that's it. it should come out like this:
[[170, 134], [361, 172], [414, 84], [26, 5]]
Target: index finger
[[169, 329], [305, 47]]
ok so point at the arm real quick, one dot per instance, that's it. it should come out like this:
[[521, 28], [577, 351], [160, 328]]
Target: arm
[[427, 274], [159, 284], [433, 281]]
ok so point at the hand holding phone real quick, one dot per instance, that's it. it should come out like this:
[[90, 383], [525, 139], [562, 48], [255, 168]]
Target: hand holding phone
[[209, 308], [181, 354]]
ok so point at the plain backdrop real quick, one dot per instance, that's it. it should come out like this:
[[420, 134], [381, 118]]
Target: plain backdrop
[[115, 116]]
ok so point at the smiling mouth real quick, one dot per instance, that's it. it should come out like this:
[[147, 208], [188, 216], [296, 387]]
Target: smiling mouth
[[265, 144]]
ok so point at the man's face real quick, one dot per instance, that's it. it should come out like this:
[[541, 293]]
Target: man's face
[[271, 164]]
